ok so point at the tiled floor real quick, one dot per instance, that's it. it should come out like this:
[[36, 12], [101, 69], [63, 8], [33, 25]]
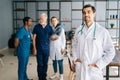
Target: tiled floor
[[9, 70]]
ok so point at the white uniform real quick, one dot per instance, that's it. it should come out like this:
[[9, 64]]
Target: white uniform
[[57, 45], [100, 51]]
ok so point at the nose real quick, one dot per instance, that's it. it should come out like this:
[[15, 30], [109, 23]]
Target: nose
[[86, 14]]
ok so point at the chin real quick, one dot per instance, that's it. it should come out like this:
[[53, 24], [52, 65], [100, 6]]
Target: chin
[[42, 23], [87, 21]]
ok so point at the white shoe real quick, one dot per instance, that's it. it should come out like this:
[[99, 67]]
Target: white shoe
[[61, 78], [53, 76]]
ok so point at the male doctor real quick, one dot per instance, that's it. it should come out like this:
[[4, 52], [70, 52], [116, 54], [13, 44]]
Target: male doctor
[[92, 47], [42, 34], [22, 47]]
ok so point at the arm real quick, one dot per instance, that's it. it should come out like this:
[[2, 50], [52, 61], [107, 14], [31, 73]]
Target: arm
[[16, 43], [19, 35], [34, 44], [34, 40], [58, 30], [63, 41], [109, 51], [52, 37], [74, 46]]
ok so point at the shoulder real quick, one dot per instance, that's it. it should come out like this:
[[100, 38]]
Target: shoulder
[[101, 29], [21, 29], [60, 27], [20, 32], [37, 25], [48, 25], [78, 29]]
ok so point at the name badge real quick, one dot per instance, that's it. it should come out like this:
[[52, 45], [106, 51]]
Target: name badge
[[28, 36]]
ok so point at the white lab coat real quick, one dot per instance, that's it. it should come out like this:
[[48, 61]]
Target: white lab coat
[[100, 52], [57, 45]]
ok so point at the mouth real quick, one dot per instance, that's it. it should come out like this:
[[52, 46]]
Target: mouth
[[86, 17]]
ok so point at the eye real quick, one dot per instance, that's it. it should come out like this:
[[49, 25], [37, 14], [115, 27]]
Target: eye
[[89, 12], [84, 13]]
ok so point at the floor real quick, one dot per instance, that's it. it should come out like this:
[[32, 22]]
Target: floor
[[9, 70]]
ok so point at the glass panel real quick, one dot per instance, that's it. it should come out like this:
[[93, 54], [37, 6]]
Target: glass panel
[[54, 5], [42, 6]]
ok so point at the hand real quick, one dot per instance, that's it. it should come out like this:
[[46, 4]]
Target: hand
[[14, 49], [73, 67], [93, 65], [62, 51], [54, 38], [78, 60], [34, 51]]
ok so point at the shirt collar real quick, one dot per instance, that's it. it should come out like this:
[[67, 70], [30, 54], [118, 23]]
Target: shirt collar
[[90, 26]]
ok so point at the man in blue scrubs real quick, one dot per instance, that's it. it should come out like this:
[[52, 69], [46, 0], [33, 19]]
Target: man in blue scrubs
[[42, 33], [22, 47]]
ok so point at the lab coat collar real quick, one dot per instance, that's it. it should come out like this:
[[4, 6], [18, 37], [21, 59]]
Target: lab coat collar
[[90, 26], [87, 30]]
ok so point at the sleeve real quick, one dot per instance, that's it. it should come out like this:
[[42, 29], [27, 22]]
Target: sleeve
[[58, 30], [34, 30], [51, 31], [63, 39], [109, 51], [20, 33], [74, 45]]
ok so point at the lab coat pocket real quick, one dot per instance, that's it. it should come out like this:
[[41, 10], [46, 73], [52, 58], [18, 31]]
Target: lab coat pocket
[[78, 70], [95, 73], [94, 68], [78, 65]]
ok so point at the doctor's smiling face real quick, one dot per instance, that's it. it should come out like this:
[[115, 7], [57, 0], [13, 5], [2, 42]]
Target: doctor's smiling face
[[88, 13]]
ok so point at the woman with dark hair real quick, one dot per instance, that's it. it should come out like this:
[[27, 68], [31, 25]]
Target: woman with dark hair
[[57, 47]]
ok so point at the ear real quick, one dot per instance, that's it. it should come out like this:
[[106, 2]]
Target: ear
[[57, 21], [26, 22], [94, 14]]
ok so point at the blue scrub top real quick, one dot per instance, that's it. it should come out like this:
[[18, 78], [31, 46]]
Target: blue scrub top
[[24, 42], [42, 36]]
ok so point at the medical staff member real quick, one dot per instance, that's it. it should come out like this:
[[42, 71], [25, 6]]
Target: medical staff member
[[92, 47], [22, 47], [57, 48], [42, 33]]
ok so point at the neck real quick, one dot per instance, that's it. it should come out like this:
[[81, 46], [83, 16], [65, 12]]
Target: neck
[[55, 25], [89, 24], [26, 27], [43, 25]]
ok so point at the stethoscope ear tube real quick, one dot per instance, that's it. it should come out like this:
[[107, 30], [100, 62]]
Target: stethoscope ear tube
[[94, 32]]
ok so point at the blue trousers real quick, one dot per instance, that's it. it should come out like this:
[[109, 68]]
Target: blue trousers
[[22, 67], [60, 64], [42, 64]]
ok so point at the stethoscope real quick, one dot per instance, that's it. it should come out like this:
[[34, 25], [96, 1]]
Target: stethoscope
[[94, 32]]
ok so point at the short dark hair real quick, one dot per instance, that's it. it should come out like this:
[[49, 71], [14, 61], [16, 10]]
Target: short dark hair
[[26, 19], [89, 5], [53, 17]]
